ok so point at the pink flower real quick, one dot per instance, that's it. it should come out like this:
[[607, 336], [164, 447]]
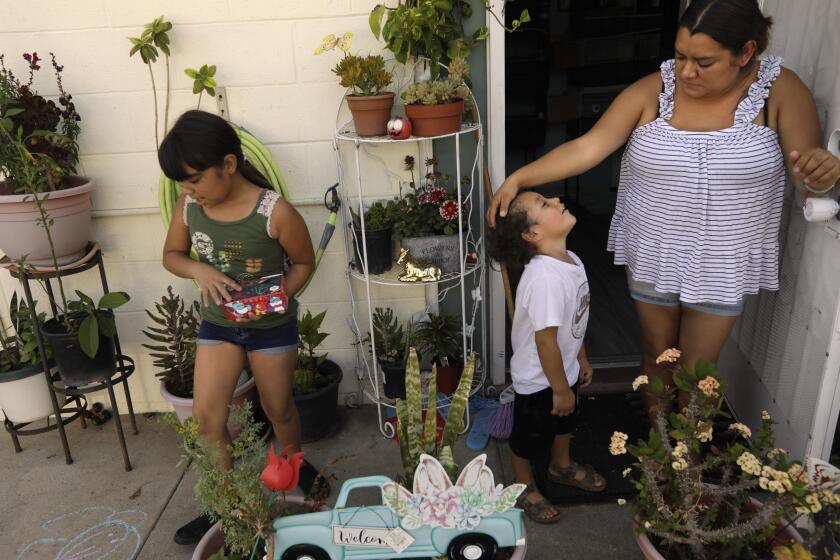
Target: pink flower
[[440, 508], [449, 210], [281, 472], [670, 355]]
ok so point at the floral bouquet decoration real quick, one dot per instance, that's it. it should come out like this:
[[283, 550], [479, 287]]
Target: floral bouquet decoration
[[694, 494]]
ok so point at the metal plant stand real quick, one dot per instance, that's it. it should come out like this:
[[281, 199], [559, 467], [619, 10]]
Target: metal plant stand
[[74, 398]]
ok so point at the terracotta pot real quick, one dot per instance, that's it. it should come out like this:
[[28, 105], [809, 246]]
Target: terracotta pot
[[213, 540], [448, 378], [785, 534], [435, 120], [20, 234], [246, 391], [371, 113]]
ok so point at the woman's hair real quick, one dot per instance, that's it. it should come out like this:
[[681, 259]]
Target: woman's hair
[[505, 243], [732, 23], [201, 140]]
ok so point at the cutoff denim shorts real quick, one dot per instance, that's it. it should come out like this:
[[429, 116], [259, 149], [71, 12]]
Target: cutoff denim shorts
[[273, 340], [646, 293]]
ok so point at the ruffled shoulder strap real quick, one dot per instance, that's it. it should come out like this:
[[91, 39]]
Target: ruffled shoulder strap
[[666, 98], [769, 69], [266, 207]]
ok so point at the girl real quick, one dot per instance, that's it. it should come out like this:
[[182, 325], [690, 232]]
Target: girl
[[549, 362], [241, 229]]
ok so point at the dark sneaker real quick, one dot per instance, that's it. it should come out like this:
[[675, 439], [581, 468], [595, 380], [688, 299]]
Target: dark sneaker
[[192, 532], [307, 475]]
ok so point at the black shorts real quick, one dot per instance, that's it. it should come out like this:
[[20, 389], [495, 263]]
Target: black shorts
[[534, 427]]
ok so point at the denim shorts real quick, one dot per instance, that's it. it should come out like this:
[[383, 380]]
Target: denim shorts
[[647, 293], [273, 340]]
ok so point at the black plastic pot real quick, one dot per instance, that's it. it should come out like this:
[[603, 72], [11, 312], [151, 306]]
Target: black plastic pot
[[74, 366], [394, 380], [319, 410], [379, 250]]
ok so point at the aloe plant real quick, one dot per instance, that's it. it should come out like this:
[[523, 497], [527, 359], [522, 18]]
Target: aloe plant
[[416, 436]]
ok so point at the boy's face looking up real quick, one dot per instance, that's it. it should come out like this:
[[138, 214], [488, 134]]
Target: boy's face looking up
[[550, 219]]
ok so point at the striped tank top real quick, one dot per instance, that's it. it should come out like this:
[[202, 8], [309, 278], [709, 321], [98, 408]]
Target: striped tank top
[[698, 213]]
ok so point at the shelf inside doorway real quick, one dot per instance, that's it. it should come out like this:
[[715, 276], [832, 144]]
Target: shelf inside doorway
[[347, 134], [391, 277]]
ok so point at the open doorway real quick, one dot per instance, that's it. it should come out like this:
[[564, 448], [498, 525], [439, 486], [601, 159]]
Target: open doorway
[[561, 73]]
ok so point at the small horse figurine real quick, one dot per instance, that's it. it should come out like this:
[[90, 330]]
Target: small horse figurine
[[416, 272]]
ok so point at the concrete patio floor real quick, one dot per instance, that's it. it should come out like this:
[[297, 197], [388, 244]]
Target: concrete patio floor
[[94, 509]]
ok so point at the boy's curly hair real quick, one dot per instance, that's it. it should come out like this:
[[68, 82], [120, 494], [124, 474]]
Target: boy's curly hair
[[505, 243]]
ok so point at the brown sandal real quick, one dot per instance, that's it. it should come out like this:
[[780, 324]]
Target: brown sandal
[[534, 509], [591, 482]]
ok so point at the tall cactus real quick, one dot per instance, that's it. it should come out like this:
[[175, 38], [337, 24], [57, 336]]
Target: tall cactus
[[414, 434]]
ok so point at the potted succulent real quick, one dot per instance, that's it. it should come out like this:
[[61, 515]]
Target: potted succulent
[[426, 218], [174, 335], [366, 77], [694, 497], [316, 381], [439, 340], [243, 500], [24, 391], [435, 106], [379, 221], [390, 340], [39, 152]]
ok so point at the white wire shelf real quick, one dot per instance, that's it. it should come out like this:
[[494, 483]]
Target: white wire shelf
[[391, 277], [346, 134]]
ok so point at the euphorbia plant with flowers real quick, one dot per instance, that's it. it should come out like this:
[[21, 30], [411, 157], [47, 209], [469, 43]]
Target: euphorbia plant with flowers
[[694, 495], [246, 498]]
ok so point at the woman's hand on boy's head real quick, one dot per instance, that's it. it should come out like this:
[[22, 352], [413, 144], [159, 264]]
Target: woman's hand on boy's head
[[563, 402], [500, 203]]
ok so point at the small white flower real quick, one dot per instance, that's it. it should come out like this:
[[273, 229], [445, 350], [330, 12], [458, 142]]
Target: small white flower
[[617, 443], [765, 415], [625, 472], [621, 501], [639, 381], [742, 429]]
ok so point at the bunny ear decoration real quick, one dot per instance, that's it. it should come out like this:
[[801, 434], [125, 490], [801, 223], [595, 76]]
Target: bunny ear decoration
[[822, 475], [430, 476], [477, 476], [396, 497]]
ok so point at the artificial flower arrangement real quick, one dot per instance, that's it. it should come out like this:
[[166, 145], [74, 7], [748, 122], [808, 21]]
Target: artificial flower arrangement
[[694, 495], [430, 208]]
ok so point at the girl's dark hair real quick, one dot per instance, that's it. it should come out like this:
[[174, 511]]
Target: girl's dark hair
[[505, 243], [201, 140], [732, 23]]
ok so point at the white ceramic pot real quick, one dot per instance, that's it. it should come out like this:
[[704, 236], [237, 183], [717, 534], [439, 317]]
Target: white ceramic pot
[[25, 395]]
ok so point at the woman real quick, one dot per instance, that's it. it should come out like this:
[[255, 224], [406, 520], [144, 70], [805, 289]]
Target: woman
[[702, 178]]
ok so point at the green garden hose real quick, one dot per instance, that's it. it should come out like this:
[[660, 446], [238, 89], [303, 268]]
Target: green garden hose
[[257, 154]]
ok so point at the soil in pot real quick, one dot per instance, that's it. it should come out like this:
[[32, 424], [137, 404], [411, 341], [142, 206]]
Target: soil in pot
[[371, 113], [435, 120], [318, 410], [74, 366], [379, 247]]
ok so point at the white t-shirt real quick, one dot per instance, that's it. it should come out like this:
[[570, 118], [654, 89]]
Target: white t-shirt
[[551, 293]]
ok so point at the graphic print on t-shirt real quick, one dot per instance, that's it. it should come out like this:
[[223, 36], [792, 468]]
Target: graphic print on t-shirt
[[581, 310]]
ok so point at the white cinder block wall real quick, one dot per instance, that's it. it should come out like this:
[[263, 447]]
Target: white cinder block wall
[[275, 87]]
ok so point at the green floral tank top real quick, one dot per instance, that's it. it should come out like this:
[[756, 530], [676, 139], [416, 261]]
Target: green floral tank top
[[242, 249]]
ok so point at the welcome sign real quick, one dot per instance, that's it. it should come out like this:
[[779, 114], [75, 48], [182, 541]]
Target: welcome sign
[[375, 537]]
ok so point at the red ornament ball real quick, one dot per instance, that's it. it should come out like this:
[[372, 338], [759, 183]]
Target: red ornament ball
[[399, 128]]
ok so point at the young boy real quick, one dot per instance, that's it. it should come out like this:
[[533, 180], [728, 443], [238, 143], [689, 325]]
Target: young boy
[[549, 362]]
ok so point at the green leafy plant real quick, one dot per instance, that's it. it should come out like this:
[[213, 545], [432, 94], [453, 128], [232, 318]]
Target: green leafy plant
[[175, 335], [155, 36], [94, 319], [363, 75], [430, 208], [686, 515], [40, 138], [307, 375], [203, 80], [430, 29], [235, 497], [418, 435], [439, 338], [454, 87], [20, 348], [379, 215], [389, 336]]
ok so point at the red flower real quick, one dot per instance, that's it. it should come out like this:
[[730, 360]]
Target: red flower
[[449, 210], [281, 471]]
